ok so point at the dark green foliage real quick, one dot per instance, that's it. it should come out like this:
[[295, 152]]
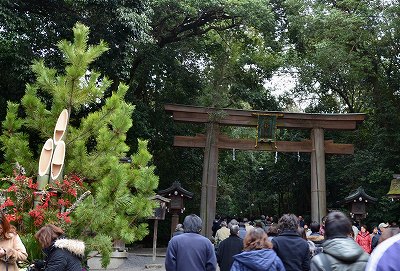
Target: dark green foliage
[[220, 53]]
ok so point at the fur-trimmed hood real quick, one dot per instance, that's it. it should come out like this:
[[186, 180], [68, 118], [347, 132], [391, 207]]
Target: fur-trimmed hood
[[316, 238], [76, 247]]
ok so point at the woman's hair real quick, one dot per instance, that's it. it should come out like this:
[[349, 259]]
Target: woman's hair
[[337, 224], [364, 226], [288, 222], [256, 239], [47, 234], [7, 227], [315, 226]]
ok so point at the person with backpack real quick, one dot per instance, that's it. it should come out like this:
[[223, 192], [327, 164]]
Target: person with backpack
[[340, 251]]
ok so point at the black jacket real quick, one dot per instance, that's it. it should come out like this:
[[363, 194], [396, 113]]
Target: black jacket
[[227, 249], [293, 251], [64, 255]]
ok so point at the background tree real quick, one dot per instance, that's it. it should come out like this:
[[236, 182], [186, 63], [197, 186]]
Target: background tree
[[343, 54]]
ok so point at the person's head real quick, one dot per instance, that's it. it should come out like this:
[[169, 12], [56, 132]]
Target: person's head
[[5, 226], [273, 230], [192, 223], [233, 222], [315, 226], [324, 220], [234, 229], [337, 224], [224, 224], [47, 234], [363, 228], [241, 225], [383, 226], [389, 232], [179, 227], [375, 230], [288, 222], [300, 217], [256, 239], [258, 224]]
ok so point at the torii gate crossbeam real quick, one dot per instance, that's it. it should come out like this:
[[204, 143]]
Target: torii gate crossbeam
[[213, 141]]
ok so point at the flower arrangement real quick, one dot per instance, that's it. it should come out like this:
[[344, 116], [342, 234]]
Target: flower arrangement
[[29, 209]]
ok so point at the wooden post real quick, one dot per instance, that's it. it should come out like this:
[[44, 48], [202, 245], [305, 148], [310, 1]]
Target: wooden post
[[174, 222], [318, 186], [155, 239], [209, 181]]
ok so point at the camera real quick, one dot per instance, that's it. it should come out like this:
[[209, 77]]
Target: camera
[[37, 265]]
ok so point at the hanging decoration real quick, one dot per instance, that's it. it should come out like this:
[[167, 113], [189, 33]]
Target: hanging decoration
[[233, 154], [276, 157], [266, 128], [298, 156]]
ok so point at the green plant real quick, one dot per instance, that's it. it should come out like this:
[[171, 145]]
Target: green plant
[[95, 142]]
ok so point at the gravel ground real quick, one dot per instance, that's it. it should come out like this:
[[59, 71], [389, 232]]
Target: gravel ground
[[141, 259]]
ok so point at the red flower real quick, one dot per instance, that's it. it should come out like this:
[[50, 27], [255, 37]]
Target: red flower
[[38, 216], [7, 203], [12, 188], [72, 192], [32, 185], [11, 217], [64, 202], [64, 216]]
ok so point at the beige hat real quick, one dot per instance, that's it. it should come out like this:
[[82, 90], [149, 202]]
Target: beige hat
[[383, 225]]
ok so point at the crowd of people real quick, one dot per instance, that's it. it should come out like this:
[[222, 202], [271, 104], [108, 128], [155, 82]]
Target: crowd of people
[[290, 244]]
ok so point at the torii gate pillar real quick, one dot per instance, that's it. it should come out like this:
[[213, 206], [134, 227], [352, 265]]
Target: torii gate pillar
[[209, 181], [318, 185]]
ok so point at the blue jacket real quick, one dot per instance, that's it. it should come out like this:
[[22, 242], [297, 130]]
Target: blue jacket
[[190, 251], [257, 260]]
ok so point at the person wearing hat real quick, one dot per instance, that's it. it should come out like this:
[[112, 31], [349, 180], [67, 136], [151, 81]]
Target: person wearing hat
[[375, 240]]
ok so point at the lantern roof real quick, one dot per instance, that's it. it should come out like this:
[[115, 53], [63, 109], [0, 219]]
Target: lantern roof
[[176, 186], [394, 191], [160, 198], [359, 195]]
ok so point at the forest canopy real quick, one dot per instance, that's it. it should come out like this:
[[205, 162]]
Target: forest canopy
[[340, 57]]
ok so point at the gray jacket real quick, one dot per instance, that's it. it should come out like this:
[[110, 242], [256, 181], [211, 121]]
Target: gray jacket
[[343, 254]]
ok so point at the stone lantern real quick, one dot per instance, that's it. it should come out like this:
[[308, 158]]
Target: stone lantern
[[159, 214], [357, 203], [394, 191], [176, 193]]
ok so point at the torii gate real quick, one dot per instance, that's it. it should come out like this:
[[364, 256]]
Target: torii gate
[[213, 141]]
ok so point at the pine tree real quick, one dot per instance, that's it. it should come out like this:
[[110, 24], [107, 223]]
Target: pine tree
[[95, 143]]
